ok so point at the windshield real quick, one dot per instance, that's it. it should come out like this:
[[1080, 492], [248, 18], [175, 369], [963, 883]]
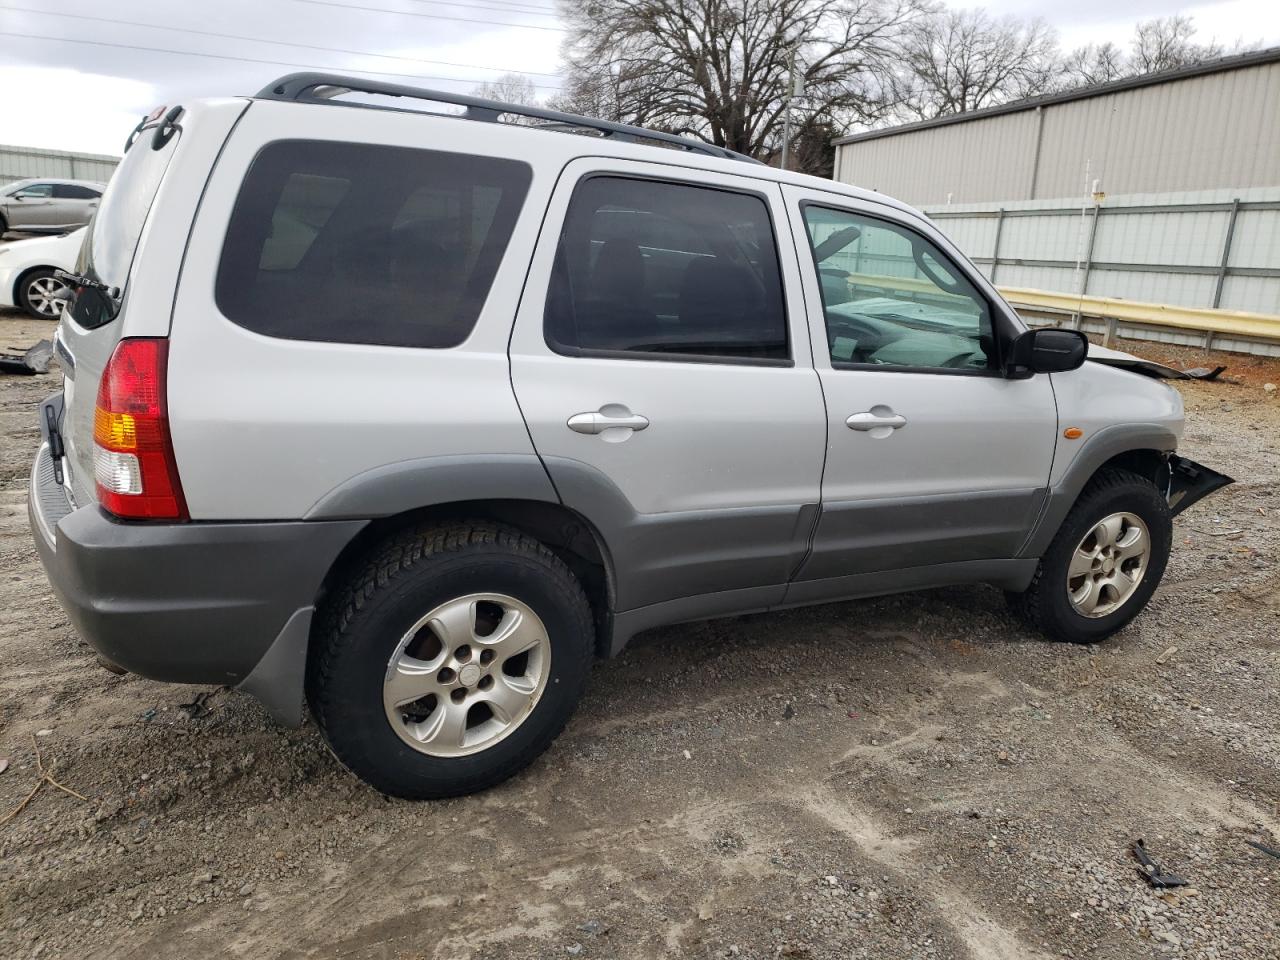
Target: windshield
[[112, 236]]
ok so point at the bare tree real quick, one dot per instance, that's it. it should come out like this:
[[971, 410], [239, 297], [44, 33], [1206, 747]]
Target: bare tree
[[1167, 42], [956, 61], [509, 88], [1092, 64], [718, 69]]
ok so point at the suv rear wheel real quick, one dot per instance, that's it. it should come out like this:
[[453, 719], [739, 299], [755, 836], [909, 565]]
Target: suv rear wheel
[[1105, 562], [452, 659]]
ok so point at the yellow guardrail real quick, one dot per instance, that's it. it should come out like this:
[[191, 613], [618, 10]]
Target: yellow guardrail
[[1238, 323], [1229, 322]]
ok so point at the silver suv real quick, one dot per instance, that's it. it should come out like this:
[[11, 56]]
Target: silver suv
[[48, 206], [413, 415]]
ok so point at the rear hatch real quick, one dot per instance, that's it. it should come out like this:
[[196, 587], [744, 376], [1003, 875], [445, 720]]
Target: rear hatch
[[94, 319]]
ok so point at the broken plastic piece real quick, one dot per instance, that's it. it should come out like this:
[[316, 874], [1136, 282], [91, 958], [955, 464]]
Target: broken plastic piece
[[1269, 851], [1152, 872], [34, 360]]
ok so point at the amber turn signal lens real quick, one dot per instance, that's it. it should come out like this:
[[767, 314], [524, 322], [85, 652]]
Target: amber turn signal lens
[[1073, 433]]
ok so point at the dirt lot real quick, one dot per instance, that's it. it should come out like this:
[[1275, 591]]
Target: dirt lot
[[914, 776]]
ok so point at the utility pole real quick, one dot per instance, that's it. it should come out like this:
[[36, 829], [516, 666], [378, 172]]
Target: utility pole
[[794, 88]]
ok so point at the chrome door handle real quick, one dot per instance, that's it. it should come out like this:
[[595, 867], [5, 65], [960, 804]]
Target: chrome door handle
[[877, 418], [604, 419]]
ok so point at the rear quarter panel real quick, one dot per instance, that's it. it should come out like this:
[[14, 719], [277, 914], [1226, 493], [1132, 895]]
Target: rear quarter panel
[[264, 428]]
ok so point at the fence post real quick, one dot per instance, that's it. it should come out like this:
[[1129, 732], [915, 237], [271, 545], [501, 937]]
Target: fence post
[[995, 253], [1226, 252]]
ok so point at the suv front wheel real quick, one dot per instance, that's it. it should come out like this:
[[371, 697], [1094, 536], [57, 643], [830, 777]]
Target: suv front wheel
[[452, 659], [1104, 563]]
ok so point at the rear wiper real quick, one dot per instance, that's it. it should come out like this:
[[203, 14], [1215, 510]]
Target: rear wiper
[[75, 280]]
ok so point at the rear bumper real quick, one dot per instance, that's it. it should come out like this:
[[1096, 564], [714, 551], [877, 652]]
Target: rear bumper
[[184, 602]]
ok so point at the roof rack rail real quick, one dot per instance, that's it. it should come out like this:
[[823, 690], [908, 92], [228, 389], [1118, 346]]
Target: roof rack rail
[[323, 87]]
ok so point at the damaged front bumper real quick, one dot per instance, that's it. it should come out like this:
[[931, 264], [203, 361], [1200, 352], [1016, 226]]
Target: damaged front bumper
[[1190, 482]]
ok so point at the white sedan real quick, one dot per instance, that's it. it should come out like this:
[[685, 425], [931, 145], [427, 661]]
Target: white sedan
[[26, 273]]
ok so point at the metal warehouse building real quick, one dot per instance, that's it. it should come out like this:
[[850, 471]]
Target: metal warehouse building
[[1163, 188], [19, 163]]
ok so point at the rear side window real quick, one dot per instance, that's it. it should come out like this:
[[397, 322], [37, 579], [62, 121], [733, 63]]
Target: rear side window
[[73, 191], [358, 243], [664, 270]]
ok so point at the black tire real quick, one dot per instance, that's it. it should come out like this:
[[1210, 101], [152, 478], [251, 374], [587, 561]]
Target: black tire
[[4, 227], [403, 579], [24, 282], [1046, 606]]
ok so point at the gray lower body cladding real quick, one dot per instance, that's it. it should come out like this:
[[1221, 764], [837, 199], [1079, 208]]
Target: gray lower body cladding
[[184, 602]]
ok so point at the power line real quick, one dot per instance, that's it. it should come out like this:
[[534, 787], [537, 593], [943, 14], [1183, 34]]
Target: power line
[[523, 6], [488, 5], [432, 16], [284, 43], [225, 56]]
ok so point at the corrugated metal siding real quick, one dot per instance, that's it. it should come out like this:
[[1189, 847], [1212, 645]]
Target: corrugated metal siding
[[971, 161], [20, 163], [1198, 133], [1175, 254]]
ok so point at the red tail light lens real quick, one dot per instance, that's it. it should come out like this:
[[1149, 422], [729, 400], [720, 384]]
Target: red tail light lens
[[133, 463]]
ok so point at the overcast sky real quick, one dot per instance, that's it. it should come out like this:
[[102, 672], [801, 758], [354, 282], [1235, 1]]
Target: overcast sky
[[99, 65]]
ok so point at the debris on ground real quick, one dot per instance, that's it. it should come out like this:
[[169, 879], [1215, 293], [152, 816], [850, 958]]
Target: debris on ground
[[45, 777], [4, 764], [33, 360], [1269, 851], [198, 708], [1203, 373], [1166, 656], [1151, 870]]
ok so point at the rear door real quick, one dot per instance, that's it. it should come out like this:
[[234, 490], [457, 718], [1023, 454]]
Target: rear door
[[74, 204], [126, 231], [662, 363], [933, 456]]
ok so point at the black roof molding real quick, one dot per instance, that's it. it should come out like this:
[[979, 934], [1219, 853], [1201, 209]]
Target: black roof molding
[[323, 87], [1220, 65]]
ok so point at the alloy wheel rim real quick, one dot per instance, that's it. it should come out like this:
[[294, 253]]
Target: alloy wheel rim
[[466, 675], [1108, 565], [43, 295]]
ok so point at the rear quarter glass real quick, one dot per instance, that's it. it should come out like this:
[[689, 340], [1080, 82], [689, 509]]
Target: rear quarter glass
[[364, 243]]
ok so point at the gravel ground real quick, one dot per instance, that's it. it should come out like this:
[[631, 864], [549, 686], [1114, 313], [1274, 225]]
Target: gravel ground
[[913, 776]]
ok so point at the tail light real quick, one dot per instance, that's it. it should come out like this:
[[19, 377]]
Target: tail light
[[133, 461]]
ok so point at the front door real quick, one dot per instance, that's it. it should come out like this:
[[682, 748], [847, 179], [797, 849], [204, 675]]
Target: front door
[[32, 208], [933, 457], [662, 362]]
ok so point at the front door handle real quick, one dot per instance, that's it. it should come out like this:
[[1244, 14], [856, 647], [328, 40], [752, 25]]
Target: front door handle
[[879, 421], [612, 416]]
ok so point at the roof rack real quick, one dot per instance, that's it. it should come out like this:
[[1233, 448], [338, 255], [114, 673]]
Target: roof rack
[[323, 87]]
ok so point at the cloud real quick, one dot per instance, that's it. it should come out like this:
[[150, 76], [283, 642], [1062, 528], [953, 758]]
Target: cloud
[[62, 108]]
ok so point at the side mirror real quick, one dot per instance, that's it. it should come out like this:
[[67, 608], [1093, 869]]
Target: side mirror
[[1047, 350]]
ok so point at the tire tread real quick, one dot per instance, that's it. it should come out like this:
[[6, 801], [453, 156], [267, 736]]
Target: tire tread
[[396, 556]]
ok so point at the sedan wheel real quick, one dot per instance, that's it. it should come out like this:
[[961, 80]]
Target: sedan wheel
[[42, 295]]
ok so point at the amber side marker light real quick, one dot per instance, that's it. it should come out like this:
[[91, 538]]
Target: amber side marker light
[[1073, 433]]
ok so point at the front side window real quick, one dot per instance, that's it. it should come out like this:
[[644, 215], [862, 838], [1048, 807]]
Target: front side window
[[659, 270], [891, 298], [360, 243], [35, 190]]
